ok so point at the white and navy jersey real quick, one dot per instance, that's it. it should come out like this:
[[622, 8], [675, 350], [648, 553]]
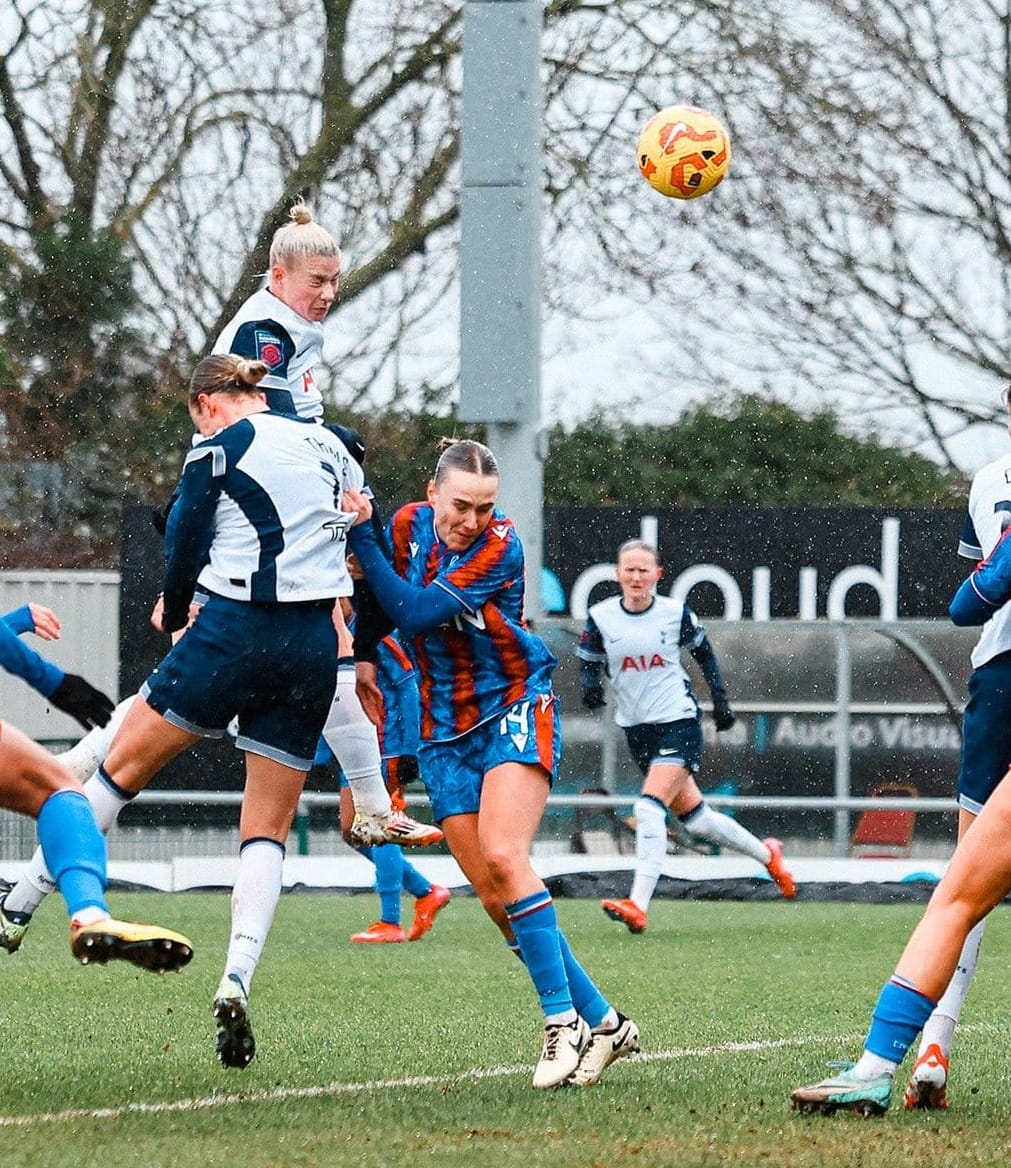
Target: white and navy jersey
[[266, 329], [641, 652], [258, 515], [989, 502]]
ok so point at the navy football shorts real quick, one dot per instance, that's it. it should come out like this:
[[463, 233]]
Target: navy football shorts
[[668, 743], [986, 733], [272, 666]]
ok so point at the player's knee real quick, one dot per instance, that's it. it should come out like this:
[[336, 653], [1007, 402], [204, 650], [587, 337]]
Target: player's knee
[[505, 866]]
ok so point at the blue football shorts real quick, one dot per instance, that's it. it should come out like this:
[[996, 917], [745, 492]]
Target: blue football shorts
[[272, 666], [986, 733], [671, 743], [453, 772], [398, 735]]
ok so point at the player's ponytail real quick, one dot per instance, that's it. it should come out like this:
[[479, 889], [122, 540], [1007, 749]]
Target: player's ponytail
[[226, 373], [301, 238]]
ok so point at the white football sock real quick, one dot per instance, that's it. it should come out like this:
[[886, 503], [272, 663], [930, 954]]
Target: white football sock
[[355, 744], [255, 895], [86, 756], [872, 1066], [721, 829], [650, 848], [106, 799], [940, 1026]]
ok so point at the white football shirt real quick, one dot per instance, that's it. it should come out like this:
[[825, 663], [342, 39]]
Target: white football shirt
[[266, 329], [642, 654], [989, 502]]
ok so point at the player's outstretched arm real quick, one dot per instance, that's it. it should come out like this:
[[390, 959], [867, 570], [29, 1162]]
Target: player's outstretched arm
[[986, 589], [411, 608]]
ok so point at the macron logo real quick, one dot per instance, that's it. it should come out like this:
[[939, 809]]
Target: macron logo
[[413, 548], [501, 530]]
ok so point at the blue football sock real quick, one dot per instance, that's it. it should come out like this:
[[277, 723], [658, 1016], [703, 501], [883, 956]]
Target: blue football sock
[[414, 883], [535, 926], [389, 862], [590, 1003], [74, 850], [898, 1018]]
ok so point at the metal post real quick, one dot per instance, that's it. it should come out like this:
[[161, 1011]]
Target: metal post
[[500, 255], [301, 826], [843, 697], [521, 497]]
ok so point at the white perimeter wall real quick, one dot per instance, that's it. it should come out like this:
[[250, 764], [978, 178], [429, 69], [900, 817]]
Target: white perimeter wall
[[88, 605]]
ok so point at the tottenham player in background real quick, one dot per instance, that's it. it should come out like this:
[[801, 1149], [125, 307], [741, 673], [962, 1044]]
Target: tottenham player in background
[[637, 638]]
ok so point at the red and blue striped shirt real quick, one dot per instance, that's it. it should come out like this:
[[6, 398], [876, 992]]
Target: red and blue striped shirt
[[485, 659]]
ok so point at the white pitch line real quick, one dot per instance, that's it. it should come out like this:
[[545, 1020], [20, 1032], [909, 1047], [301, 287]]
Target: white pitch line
[[280, 1094]]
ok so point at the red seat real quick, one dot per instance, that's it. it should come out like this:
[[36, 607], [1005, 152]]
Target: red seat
[[886, 833]]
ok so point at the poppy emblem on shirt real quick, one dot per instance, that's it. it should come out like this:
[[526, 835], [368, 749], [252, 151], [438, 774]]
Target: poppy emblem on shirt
[[268, 350]]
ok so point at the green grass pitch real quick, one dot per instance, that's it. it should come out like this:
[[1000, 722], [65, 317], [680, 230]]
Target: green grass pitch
[[421, 1054]]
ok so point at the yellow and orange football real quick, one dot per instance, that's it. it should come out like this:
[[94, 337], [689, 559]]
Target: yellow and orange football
[[684, 152]]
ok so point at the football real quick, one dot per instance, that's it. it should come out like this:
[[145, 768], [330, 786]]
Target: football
[[683, 152]]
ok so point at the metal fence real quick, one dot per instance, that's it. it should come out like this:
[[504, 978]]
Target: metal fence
[[827, 713]]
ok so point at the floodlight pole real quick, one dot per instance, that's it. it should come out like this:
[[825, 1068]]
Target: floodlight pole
[[500, 255]]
